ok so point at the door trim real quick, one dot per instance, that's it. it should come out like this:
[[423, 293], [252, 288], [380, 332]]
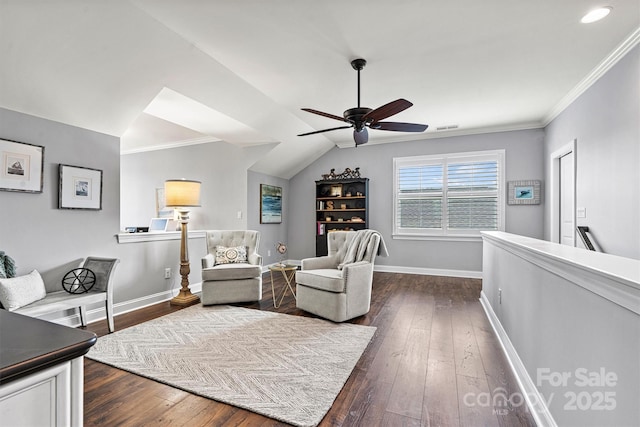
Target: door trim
[[554, 188]]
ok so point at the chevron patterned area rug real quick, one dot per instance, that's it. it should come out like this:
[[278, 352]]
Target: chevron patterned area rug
[[289, 368]]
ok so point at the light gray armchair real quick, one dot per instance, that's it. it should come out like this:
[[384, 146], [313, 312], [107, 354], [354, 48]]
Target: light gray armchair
[[338, 286], [231, 281]]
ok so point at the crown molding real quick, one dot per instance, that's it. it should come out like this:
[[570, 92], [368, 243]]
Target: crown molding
[[604, 66]]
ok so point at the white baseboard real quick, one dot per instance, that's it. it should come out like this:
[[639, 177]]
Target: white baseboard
[[534, 399], [468, 274], [98, 314]]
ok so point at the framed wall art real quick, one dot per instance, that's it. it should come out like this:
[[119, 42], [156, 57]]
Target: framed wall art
[[162, 211], [270, 204], [22, 166], [523, 192], [80, 188]]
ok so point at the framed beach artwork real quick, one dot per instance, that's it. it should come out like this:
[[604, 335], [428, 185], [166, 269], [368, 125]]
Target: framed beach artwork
[[270, 204], [162, 211], [22, 166], [523, 192], [80, 188]]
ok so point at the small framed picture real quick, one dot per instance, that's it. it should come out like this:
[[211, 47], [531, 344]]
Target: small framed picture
[[336, 190], [80, 188], [22, 166], [524, 192]]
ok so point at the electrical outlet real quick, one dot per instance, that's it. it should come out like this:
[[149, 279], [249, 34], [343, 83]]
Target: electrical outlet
[[167, 273], [268, 252], [499, 296]]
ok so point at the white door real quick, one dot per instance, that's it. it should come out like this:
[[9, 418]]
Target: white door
[[567, 200]]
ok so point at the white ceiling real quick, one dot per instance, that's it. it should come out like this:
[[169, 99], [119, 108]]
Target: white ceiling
[[162, 73]]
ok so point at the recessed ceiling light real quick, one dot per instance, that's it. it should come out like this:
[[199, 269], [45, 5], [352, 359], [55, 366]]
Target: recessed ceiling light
[[596, 15]]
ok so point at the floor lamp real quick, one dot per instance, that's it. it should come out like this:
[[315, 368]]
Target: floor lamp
[[183, 194]]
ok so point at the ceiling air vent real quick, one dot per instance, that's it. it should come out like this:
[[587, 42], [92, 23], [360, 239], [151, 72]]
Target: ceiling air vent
[[450, 127]]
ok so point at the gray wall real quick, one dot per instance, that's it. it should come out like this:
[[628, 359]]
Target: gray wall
[[605, 120], [270, 234], [33, 230], [524, 160], [221, 167], [40, 236]]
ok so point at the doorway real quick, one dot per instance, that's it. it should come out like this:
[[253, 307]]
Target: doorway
[[563, 195]]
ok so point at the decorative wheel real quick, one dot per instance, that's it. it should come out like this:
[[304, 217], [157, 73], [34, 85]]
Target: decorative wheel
[[79, 281], [281, 248]]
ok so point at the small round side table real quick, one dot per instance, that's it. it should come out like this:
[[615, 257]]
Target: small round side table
[[289, 274]]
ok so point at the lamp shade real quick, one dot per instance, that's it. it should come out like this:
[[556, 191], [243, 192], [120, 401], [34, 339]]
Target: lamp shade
[[181, 193]]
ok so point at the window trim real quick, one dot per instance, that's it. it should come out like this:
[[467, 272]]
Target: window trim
[[445, 159]]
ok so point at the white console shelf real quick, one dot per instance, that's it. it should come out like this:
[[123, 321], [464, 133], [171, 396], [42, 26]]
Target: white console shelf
[[157, 236]]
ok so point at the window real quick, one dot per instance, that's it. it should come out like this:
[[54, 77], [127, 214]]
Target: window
[[451, 195]]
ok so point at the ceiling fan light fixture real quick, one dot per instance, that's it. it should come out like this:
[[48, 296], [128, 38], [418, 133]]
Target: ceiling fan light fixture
[[596, 14], [360, 118]]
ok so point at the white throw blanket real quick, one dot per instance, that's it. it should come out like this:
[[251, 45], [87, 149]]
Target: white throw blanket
[[358, 247]]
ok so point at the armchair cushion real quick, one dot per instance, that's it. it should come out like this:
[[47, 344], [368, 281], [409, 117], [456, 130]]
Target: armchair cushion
[[328, 279], [231, 272], [231, 255], [320, 263]]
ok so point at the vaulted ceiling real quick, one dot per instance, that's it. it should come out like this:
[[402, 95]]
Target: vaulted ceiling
[[164, 73]]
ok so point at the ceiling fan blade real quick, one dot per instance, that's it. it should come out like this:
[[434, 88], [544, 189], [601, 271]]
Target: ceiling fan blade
[[387, 110], [320, 113], [399, 127], [360, 136], [324, 130]]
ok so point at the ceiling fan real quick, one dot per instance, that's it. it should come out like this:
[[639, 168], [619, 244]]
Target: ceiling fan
[[361, 118]]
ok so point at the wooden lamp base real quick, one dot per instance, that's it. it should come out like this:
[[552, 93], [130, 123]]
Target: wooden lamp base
[[185, 299]]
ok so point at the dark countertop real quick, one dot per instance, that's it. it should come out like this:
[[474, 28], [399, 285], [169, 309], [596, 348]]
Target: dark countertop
[[28, 345]]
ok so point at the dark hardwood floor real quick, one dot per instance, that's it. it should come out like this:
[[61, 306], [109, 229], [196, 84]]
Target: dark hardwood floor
[[434, 361]]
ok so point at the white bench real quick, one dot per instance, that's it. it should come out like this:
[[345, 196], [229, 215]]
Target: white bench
[[101, 291]]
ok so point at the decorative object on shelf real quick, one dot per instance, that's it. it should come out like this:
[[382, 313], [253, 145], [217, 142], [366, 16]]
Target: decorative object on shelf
[[22, 166], [348, 173], [336, 190], [270, 204], [524, 192], [356, 219], [583, 232], [281, 248], [343, 206], [183, 194], [329, 205], [328, 219], [80, 188], [79, 281]]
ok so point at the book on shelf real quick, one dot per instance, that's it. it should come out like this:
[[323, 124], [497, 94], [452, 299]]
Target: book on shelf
[[320, 228]]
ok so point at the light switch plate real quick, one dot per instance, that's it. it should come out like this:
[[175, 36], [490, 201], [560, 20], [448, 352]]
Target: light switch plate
[[581, 212]]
